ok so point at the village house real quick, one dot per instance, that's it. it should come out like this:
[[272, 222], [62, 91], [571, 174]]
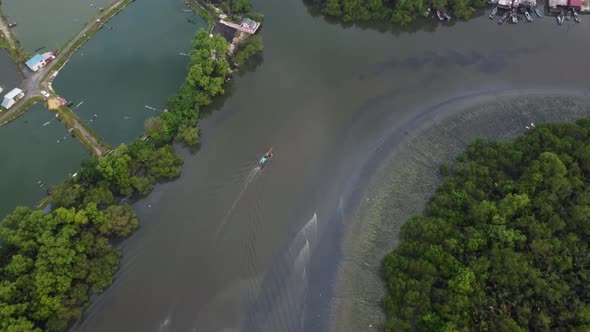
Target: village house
[[575, 4], [12, 97], [505, 4], [555, 6], [39, 61], [247, 25]]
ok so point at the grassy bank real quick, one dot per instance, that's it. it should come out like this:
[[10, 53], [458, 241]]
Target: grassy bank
[[51, 263], [17, 54], [69, 118], [207, 15], [22, 108]]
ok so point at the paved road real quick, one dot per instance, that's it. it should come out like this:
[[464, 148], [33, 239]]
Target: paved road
[[34, 82], [6, 30]]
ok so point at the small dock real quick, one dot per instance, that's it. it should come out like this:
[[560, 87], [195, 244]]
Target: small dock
[[244, 27]]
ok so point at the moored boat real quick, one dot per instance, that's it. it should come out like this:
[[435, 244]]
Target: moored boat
[[538, 12], [493, 13], [439, 15], [446, 16], [568, 15], [503, 18], [513, 17], [528, 16], [265, 159], [560, 18], [576, 17], [427, 12]]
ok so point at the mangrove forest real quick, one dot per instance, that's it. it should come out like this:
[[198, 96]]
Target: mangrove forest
[[503, 243]]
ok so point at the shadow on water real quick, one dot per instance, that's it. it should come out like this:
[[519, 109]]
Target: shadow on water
[[219, 101], [421, 24], [251, 64], [489, 64], [281, 301]]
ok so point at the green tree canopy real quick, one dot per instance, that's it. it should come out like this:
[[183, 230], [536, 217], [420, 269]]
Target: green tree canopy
[[503, 244]]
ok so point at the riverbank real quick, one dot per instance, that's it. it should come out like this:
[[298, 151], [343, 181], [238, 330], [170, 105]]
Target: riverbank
[[128, 172], [408, 173], [13, 46]]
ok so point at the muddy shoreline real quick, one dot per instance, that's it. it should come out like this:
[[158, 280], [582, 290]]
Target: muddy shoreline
[[404, 174]]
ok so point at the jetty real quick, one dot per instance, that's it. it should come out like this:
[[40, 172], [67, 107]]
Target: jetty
[[247, 25]]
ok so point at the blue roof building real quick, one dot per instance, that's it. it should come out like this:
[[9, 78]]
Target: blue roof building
[[39, 60], [35, 62]]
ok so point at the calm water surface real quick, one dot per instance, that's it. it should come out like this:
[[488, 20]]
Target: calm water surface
[[229, 248], [9, 75], [137, 63], [47, 25], [33, 155]]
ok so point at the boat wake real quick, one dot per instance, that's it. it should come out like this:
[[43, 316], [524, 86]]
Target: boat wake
[[281, 302], [249, 179]]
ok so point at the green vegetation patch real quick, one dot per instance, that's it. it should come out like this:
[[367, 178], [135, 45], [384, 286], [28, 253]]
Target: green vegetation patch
[[503, 244], [253, 45]]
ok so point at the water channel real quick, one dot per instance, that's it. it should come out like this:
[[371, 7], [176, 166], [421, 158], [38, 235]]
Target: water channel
[[47, 25], [134, 61], [9, 75], [34, 160], [229, 248], [349, 111]]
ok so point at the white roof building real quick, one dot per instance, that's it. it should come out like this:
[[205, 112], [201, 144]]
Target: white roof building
[[11, 97]]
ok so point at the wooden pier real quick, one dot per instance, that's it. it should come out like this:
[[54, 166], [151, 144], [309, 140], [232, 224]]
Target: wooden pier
[[250, 30]]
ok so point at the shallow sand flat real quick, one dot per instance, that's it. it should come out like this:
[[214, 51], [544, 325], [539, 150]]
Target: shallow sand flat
[[409, 175]]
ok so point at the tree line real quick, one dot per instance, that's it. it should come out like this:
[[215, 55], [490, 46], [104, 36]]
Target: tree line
[[400, 12], [503, 243], [51, 262]]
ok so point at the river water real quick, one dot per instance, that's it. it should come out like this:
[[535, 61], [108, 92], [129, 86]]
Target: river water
[[229, 248]]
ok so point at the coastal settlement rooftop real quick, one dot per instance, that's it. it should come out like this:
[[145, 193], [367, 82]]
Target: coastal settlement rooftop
[[554, 5], [39, 60], [12, 97], [247, 25]]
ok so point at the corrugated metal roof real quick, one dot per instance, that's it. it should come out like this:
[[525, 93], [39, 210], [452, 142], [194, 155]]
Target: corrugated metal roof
[[575, 3], [13, 93], [249, 21], [34, 60]]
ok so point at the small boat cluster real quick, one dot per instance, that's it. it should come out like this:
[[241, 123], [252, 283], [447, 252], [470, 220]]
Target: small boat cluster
[[569, 13], [441, 14], [513, 15]]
